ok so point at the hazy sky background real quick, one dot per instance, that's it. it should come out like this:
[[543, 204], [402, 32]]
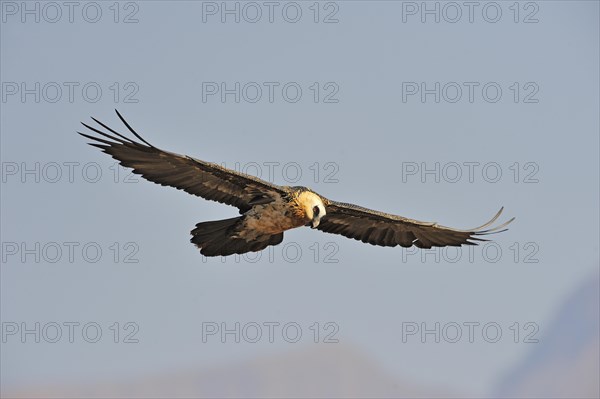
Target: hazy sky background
[[367, 139]]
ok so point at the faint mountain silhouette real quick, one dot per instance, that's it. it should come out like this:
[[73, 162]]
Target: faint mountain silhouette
[[324, 371], [566, 362]]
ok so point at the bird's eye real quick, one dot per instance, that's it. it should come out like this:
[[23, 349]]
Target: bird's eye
[[316, 210]]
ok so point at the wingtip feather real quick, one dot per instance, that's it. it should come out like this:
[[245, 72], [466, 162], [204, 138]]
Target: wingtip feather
[[131, 129]]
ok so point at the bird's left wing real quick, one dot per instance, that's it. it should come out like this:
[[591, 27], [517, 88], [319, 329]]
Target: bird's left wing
[[204, 179], [388, 230]]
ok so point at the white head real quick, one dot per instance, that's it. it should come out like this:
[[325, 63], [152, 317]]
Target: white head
[[313, 207]]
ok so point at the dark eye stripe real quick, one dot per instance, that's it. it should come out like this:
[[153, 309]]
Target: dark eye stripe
[[316, 210]]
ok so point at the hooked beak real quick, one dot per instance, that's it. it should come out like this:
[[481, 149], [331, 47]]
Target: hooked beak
[[314, 223]]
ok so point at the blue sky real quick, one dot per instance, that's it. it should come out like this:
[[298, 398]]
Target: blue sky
[[358, 121]]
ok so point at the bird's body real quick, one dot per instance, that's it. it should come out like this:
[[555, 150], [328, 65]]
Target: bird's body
[[268, 210], [285, 212], [260, 226], [273, 218]]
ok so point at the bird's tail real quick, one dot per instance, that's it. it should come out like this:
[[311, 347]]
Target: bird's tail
[[219, 238]]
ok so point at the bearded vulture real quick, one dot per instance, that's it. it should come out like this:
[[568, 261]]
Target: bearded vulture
[[267, 210]]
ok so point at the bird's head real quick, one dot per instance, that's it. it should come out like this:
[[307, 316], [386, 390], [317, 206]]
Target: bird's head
[[312, 207]]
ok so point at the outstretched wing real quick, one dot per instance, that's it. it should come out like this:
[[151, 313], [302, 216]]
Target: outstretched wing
[[204, 179], [378, 228]]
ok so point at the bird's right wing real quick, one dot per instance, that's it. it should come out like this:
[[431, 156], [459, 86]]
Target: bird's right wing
[[204, 179], [384, 229]]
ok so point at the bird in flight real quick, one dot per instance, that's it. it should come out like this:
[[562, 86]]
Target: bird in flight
[[267, 210]]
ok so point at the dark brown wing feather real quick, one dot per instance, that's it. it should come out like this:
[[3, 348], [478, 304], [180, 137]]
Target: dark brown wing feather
[[204, 179], [384, 229]]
